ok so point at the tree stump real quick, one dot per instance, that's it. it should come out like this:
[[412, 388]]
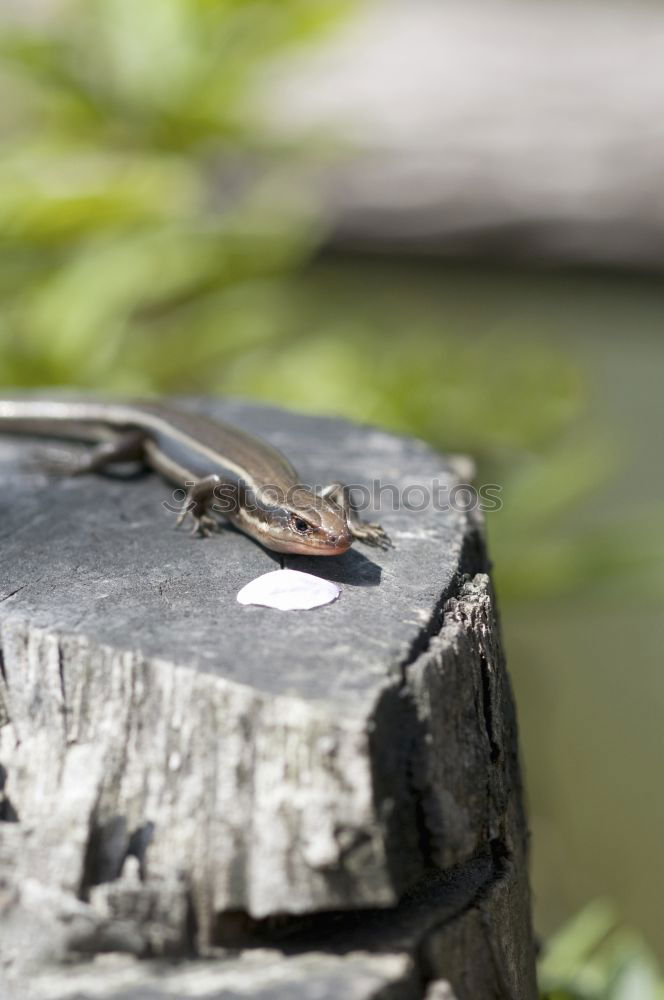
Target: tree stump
[[302, 804]]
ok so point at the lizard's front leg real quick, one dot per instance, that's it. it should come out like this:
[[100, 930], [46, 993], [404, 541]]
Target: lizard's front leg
[[198, 499], [365, 531]]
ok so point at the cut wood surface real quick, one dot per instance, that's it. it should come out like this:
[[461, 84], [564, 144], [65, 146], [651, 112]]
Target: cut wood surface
[[287, 803]]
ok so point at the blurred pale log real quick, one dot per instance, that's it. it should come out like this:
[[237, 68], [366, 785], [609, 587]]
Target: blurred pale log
[[527, 128]]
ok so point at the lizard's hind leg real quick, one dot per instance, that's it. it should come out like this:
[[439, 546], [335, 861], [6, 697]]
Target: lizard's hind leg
[[119, 449]]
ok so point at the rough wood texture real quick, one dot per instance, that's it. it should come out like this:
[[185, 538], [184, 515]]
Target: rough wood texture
[[335, 793], [518, 129]]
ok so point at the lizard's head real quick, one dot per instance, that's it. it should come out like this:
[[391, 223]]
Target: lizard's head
[[308, 525]]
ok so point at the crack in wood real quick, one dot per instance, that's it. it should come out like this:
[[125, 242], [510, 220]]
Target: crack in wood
[[487, 709], [438, 897], [5, 718], [8, 813], [472, 560], [12, 593]]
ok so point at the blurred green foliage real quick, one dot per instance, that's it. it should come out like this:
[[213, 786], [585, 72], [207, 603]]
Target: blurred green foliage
[[136, 207], [595, 957]]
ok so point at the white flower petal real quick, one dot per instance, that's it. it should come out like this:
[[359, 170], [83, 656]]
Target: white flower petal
[[289, 590]]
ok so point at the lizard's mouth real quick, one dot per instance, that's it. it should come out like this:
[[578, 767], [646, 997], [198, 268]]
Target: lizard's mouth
[[333, 547], [334, 544]]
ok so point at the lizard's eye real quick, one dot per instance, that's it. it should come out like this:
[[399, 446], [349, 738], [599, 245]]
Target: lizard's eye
[[301, 525]]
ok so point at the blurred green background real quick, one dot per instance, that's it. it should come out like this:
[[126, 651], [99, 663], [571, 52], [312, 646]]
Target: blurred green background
[[153, 239]]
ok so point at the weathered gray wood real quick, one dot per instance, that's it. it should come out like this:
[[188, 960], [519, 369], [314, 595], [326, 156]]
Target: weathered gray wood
[[260, 974], [184, 773]]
